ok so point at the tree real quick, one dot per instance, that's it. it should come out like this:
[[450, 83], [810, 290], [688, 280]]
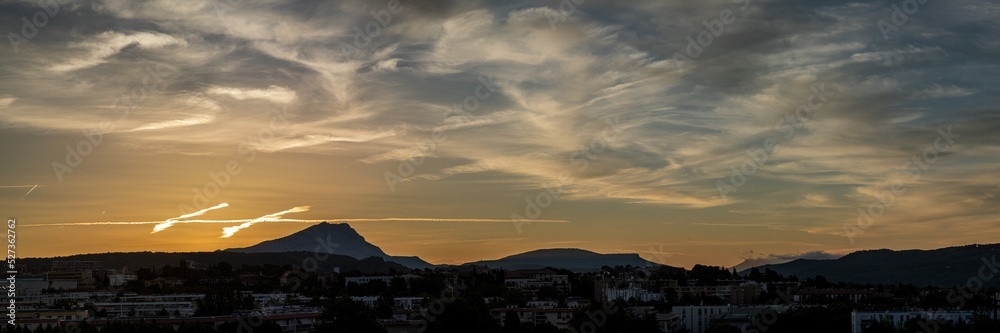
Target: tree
[[547, 293], [515, 297], [512, 323], [342, 314], [225, 268], [465, 314]]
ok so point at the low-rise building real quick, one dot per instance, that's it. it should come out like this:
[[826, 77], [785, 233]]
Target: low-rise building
[[558, 317], [366, 279], [632, 291], [164, 282], [820, 295], [146, 309], [121, 279], [698, 319], [530, 280], [861, 320]]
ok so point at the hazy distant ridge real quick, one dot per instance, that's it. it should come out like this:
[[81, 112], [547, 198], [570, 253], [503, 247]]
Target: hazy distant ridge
[[571, 259], [945, 267]]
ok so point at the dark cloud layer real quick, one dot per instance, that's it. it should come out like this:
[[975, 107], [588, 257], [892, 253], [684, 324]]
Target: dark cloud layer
[[366, 89]]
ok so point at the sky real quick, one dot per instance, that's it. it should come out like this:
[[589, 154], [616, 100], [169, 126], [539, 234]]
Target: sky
[[689, 132]]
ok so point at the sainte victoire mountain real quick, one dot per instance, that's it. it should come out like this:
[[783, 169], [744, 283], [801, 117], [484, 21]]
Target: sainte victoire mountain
[[343, 240], [334, 238]]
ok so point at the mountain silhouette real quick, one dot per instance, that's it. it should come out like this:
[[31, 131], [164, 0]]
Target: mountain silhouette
[[330, 238], [571, 259], [945, 267]]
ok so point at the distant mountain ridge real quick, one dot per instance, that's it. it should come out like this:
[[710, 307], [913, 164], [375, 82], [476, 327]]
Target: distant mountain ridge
[[571, 259], [781, 259], [747, 264], [336, 238], [945, 267], [341, 239]]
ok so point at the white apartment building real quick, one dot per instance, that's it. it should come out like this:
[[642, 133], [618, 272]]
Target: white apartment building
[[121, 279], [146, 309], [359, 280], [632, 291], [699, 318], [862, 320]]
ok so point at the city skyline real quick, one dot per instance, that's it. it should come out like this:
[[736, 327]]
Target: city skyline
[[457, 131]]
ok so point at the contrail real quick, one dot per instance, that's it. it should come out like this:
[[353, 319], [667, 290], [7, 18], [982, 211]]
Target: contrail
[[385, 219], [29, 191], [230, 231], [171, 221]]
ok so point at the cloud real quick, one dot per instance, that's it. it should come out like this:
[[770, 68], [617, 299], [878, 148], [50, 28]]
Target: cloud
[[196, 120], [6, 100], [171, 221], [939, 91], [272, 93], [291, 80], [100, 47], [230, 231]]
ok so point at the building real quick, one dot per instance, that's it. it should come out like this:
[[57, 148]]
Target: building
[[632, 291], [744, 294], [132, 297], [558, 317], [299, 322], [542, 304], [72, 274], [77, 265], [272, 299], [669, 322], [821, 295], [743, 318], [146, 308], [34, 319], [530, 280], [359, 280], [121, 279], [164, 282], [70, 279], [698, 319], [369, 301], [735, 292], [860, 321], [408, 303], [29, 288], [577, 302]]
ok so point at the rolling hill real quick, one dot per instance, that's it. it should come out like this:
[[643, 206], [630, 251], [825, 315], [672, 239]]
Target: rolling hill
[[571, 259], [945, 267]]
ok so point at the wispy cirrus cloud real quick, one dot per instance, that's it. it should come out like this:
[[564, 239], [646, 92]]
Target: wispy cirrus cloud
[[171, 221], [230, 231], [352, 112]]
